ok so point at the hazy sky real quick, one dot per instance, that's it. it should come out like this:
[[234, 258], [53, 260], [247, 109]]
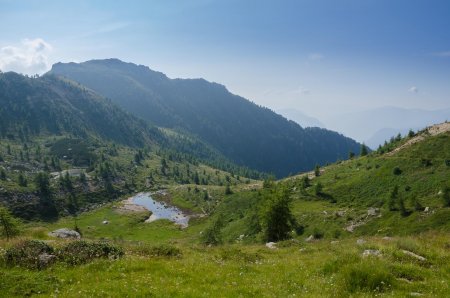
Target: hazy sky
[[321, 57]]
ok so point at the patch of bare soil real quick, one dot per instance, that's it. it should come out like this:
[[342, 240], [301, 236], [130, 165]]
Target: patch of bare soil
[[429, 131]]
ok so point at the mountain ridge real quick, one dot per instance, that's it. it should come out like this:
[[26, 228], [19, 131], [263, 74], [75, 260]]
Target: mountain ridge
[[244, 132]]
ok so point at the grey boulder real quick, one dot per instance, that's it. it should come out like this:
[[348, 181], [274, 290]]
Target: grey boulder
[[65, 233]]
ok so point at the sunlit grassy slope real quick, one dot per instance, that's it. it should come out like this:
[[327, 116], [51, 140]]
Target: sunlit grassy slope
[[413, 248]]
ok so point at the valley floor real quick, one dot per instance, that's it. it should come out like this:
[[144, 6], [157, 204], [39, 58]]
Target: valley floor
[[357, 267]]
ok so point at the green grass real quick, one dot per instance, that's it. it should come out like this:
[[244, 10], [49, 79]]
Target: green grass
[[164, 260], [303, 269]]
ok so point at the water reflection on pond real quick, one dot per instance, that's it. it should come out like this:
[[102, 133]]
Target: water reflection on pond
[[160, 209]]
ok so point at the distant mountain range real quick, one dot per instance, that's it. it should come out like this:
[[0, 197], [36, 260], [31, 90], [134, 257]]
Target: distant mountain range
[[242, 131], [377, 125], [301, 118]]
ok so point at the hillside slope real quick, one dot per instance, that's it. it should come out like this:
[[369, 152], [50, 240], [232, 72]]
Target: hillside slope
[[247, 134], [398, 190], [52, 106]]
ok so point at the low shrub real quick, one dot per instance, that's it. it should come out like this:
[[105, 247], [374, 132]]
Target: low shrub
[[81, 252], [26, 254], [213, 234], [163, 250], [318, 234], [238, 255], [397, 171]]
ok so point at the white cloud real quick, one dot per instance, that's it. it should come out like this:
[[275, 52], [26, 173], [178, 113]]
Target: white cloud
[[413, 89], [28, 57], [316, 57]]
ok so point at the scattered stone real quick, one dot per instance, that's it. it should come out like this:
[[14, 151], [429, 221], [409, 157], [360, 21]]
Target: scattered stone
[[105, 222], [350, 228], [387, 238], [65, 233], [404, 280], [325, 212], [415, 294], [360, 241], [427, 209], [371, 252], [409, 253], [340, 213], [334, 242], [310, 238], [271, 245], [46, 260], [373, 211]]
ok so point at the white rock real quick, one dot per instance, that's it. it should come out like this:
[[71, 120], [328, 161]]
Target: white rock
[[427, 209], [409, 253], [360, 241], [271, 245], [340, 213], [105, 222], [45, 260], [371, 252], [373, 211], [310, 238], [65, 233]]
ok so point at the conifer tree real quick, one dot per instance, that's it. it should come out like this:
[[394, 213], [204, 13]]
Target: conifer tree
[[277, 216], [9, 226], [392, 203], [446, 196], [364, 150], [317, 171]]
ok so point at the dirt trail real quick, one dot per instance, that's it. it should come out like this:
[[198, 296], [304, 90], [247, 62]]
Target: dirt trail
[[429, 131]]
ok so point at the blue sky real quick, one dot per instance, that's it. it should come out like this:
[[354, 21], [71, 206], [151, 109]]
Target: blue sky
[[321, 57]]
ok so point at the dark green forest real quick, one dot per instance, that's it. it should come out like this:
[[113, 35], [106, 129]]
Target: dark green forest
[[247, 134]]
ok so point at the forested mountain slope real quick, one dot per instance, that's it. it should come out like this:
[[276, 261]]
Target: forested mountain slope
[[52, 106], [242, 131]]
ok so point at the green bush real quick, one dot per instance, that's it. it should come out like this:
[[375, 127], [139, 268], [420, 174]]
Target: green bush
[[397, 171], [238, 255], [213, 234], [163, 250], [26, 254], [81, 252], [318, 234]]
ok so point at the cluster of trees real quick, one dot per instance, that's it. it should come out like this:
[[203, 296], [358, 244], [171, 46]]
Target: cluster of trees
[[396, 202], [270, 220], [394, 142]]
